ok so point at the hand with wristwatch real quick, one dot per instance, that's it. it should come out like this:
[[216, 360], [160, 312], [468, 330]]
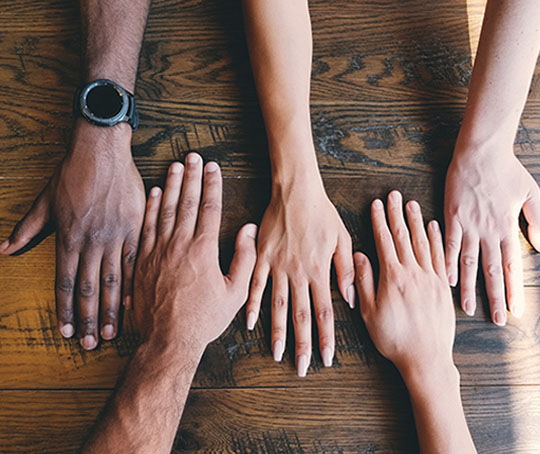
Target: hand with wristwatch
[[95, 201]]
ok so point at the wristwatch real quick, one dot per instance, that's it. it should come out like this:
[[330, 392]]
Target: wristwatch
[[105, 103]]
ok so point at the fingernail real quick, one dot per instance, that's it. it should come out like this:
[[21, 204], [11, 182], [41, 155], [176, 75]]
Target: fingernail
[[377, 204], [327, 356], [251, 320], [517, 310], [434, 226], [176, 168], [251, 231], [394, 196], [4, 245], [414, 206], [127, 302], [193, 158], [155, 191], [451, 280], [67, 330], [468, 307], [278, 350], [359, 259], [499, 318], [211, 167], [302, 365], [88, 342], [107, 332], [350, 296]]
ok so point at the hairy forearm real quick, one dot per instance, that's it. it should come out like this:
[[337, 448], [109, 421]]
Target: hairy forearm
[[438, 411], [505, 61], [144, 414], [112, 33], [279, 39]]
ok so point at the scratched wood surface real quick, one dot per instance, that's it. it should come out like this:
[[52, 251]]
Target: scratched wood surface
[[389, 85]]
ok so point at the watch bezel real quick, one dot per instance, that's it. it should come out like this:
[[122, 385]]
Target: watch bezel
[[100, 121]]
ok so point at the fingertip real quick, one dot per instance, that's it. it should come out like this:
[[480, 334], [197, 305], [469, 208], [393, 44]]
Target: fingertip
[[251, 320], [67, 330], [377, 204], [360, 259], [176, 168], [250, 230], [193, 158], [155, 192], [127, 301], [212, 167], [413, 206], [394, 196], [499, 317]]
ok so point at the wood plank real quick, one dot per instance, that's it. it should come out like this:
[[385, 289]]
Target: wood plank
[[279, 420]]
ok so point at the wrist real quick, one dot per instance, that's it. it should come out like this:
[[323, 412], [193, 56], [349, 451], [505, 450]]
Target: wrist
[[431, 379], [170, 354], [482, 141], [113, 141]]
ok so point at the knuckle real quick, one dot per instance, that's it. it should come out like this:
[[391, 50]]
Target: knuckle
[[86, 288], [147, 233], [130, 254], [167, 214], [278, 332], [65, 284], [468, 261], [278, 303], [87, 324], [94, 236], [111, 280], [189, 203], [211, 206], [401, 233], [493, 269], [347, 274], [258, 284], [510, 266], [302, 346], [110, 315], [325, 314], [452, 245], [301, 317], [65, 314]]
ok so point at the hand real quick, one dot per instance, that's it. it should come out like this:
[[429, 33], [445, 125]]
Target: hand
[[180, 292], [411, 318], [300, 234], [485, 193], [96, 200]]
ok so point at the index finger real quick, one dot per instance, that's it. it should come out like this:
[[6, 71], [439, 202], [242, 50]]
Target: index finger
[[383, 238]]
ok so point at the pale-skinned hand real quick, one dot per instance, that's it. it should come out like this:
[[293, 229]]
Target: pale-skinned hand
[[181, 294], [301, 233], [484, 198], [96, 201], [411, 317]]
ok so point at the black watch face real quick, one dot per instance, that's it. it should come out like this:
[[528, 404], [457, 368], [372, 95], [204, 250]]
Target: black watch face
[[104, 103]]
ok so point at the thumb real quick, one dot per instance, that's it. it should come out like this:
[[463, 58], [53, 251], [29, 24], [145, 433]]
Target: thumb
[[29, 226], [244, 259], [531, 210], [364, 283]]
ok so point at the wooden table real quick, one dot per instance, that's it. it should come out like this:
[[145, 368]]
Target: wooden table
[[389, 85]]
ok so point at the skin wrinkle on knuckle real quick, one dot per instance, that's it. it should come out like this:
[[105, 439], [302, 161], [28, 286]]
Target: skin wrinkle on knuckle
[[509, 266], [302, 346], [189, 203], [65, 284], [493, 269], [65, 314], [211, 206], [111, 280], [278, 332], [302, 317], [88, 324], [278, 302], [452, 244], [110, 316], [86, 288], [468, 261], [130, 255], [325, 314]]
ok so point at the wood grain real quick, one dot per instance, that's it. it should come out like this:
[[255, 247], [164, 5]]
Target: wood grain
[[278, 420], [389, 85]]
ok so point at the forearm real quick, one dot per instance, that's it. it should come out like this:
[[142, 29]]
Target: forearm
[[144, 414], [505, 61], [112, 33], [279, 39], [438, 411]]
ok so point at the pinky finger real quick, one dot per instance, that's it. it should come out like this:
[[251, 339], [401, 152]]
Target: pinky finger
[[258, 284]]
